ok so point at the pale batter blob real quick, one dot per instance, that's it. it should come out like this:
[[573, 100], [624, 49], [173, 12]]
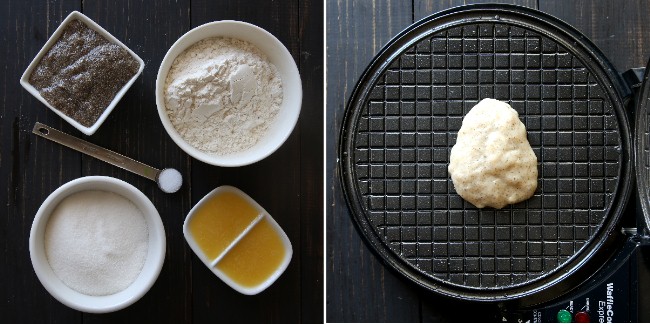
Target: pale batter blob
[[492, 163]]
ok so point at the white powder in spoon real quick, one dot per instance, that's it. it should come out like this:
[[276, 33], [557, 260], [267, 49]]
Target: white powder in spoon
[[96, 242], [222, 95], [170, 180]]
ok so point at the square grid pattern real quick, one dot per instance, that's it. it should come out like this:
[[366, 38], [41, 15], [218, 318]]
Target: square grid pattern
[[409, 125]]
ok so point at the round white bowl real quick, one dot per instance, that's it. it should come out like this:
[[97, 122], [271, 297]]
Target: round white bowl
[[286, 119], [98, 304]]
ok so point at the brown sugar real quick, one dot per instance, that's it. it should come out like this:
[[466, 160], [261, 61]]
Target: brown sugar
[[82, 72]]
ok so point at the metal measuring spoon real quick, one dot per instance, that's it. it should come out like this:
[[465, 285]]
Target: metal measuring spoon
[[168, 180]]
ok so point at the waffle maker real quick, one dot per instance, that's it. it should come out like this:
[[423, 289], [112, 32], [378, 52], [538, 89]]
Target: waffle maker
[[576, 250]]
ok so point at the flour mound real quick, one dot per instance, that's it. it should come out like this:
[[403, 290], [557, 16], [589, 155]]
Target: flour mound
[[222, 95], [492, 163]]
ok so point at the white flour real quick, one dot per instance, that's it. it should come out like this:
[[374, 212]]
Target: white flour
[[222, 94]]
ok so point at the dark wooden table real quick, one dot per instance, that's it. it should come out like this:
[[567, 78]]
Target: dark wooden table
[[359, 288], [288, 183]]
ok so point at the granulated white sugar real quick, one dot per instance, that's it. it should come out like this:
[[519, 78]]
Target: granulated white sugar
[[222, 95], [96, 242], [170, 180]]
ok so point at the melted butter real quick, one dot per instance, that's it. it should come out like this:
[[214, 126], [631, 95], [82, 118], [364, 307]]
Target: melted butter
[[219, 221], [255, 257]]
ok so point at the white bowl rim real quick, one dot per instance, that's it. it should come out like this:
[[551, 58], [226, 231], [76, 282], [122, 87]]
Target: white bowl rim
[[288, 248], [171, 130], [154, 224], [24, 79]]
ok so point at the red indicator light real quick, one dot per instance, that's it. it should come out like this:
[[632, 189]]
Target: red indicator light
[[582, 317]]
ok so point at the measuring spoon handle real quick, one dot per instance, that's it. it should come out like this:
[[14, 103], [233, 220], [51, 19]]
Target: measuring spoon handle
[[95, 151]]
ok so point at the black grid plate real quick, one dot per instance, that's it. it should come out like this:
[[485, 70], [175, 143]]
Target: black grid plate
[[402, 121]]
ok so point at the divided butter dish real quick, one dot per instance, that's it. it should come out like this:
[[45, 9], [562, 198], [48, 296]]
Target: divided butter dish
[[83, 71], [237, 240]]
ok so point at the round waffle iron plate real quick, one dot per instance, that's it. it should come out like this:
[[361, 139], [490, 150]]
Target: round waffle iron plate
[[642, 149], [402, 121]]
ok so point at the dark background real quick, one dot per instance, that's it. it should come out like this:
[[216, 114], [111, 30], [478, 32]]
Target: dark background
[[288, 184], [359, 287]]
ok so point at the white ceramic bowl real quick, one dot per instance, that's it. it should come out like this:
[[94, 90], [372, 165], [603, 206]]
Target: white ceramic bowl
[[286, 119], [24, 80], [98, 304], [288, 250]]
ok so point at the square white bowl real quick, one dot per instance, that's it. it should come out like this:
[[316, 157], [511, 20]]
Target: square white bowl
[[210, 263], [24, 79]]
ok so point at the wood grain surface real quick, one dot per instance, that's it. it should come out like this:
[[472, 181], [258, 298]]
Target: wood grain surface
[[359, 287], [289, 183]]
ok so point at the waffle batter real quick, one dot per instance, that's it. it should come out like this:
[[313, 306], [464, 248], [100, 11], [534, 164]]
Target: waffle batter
[[492, 163]]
